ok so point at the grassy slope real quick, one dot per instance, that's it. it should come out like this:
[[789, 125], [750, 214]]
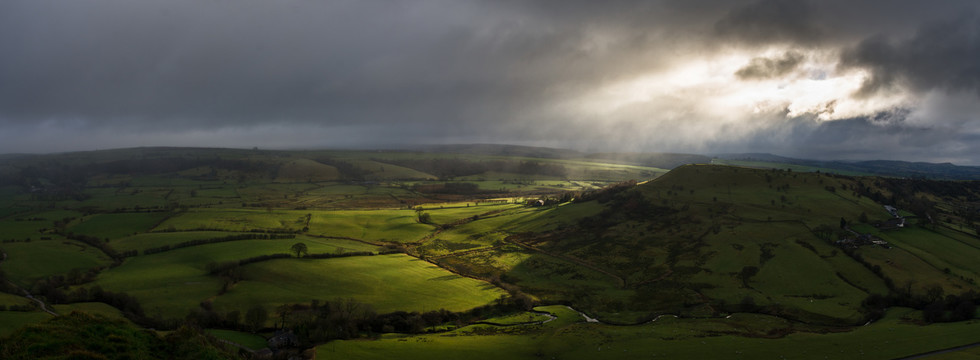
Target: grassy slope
[[681, 242], [11, 321], [376, 225], [306, 170], [152, 240], [665, 338], [236, 220], [388, 282], [60, 256], [114, 226], [174, 282], [91, 308]]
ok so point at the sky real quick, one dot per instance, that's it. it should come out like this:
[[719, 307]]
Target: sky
[[828, 79]]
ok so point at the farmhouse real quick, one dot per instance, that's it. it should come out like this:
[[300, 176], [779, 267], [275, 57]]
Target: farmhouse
[[892, 210], [860, 240], [283, 339], [893, 223]]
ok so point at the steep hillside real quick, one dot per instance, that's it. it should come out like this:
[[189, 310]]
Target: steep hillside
[[709, 240]]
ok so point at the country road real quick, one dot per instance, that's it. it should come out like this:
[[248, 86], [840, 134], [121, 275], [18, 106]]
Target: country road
[[38, 301], [3, 257]]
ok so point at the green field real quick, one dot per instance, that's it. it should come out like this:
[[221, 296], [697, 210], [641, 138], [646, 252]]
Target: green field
[[152, 240], [386, 282], [242, 220], [60, 257], [11, 299], [172, 283], [378, 225], [743, 336], [11, 321], [114, 226], [91, 308]]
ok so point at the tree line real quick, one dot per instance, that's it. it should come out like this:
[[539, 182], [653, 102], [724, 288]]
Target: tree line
[[215, 240]]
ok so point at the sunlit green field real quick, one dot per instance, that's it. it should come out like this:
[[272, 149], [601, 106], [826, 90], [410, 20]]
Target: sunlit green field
[[378, 225], [386, 282], [174, 282]]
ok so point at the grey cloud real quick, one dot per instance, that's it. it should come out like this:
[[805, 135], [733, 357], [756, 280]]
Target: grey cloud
[[860, 139], [940, 55], [213, 64], [764, 68], [769, 21], [345, 72]]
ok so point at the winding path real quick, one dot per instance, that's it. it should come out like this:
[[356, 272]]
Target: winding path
[[3, 257], [38, 301]]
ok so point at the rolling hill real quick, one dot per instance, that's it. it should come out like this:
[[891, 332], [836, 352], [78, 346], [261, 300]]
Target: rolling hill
[[466, 244]]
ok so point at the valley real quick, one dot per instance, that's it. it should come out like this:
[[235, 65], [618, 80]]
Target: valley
[[464, 250]]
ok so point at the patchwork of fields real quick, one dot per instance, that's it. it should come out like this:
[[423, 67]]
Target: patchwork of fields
[[751, 261]]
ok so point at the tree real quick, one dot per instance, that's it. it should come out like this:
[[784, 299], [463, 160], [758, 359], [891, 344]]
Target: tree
[[299, 248], [747, 273], [255, 318], [233, 318]]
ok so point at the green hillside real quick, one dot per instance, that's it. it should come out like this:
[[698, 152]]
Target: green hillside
[[711, 240]]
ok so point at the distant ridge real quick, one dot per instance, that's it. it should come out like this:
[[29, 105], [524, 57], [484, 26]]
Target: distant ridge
[[894, 168], [503, 150], [889, 168]]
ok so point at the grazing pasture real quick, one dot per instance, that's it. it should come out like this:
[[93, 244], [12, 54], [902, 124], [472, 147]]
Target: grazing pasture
[[174, 282], [24, 263], [386, 282], [370, 225], [114, 226]]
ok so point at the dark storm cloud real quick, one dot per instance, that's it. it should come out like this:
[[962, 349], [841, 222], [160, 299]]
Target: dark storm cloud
[[769, 21], [941, 55], [444, 65], [103, 73], [213, 64], [763, 68]]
